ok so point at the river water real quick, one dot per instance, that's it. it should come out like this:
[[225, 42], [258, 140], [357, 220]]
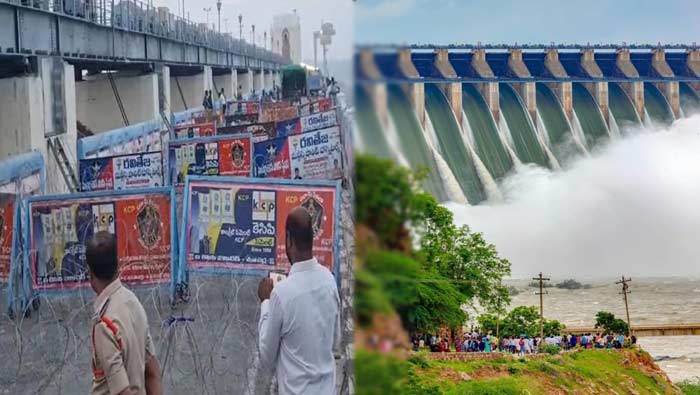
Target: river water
[[652, 301]]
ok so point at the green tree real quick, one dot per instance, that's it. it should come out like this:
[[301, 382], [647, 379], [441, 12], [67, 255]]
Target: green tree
[[610, 323], [424, 300], [461, 255], [522, 320], [384, 194], [369, 297]]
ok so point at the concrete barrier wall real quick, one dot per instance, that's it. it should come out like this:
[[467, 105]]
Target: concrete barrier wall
[[96, 101]]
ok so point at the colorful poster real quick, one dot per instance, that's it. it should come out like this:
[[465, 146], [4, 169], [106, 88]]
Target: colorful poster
[[122, 172], [238, 225], [288, 127], [320, 120], [60, 228], [7, 217], [314, 155], [221, 155], [150, 142], [278, 113], [195, 130], [321, 105], [260, 131]]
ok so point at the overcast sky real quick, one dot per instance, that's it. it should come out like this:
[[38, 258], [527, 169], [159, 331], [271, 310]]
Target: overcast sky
[[525, 21], [260, 13]]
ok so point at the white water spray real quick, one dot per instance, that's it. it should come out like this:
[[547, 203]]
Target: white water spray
[[629, 207], [493, 194], [577, 131], [614, 127], [449, 181]]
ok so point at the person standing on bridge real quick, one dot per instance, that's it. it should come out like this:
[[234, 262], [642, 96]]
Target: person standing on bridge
[[222, 101], [123, 356], [299, 324]]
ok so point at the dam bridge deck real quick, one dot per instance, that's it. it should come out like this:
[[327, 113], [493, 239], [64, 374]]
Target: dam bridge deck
[[690, 329]]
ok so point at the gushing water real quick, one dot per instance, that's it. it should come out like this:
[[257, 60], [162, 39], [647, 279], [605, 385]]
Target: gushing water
[[614, 127], [543, 138], [577, 131], [392, 137], [449, 181], [507, 139], [630, 207], [490, 186]]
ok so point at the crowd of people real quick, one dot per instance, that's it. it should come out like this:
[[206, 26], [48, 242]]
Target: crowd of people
[[520, 345]]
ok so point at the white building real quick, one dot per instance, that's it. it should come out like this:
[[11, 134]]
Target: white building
[[286, 36]]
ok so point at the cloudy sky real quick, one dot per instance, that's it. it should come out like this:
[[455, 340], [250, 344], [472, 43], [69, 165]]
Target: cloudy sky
[[527, 21], [260, 13]]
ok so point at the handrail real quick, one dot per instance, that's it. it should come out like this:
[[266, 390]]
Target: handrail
[[140, 17]]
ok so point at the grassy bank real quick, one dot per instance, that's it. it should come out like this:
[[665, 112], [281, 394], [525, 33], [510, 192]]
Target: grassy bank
[[584, 372]]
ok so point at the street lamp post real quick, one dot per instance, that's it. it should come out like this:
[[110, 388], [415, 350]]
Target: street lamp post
[[218, 9], [253, 34], [206, 10], [240, 27]]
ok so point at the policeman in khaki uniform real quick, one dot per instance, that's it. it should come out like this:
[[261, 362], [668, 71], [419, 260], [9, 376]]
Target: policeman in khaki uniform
[[123, 355]]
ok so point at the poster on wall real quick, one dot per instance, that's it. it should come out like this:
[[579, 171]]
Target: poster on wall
[[60, 226], [321, 105], [315, 155], [320, 120], [122, 172], [259, 131], [220, 155], [278, 113], [239, 224], [196, 130], [7, 218], [149, 142]]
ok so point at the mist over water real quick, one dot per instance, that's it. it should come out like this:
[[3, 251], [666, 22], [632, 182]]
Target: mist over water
[[632, 207]]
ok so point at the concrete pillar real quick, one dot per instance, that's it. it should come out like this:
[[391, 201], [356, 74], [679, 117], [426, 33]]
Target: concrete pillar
[[36, 106], [563, 91], [525, 89], [634, 89], [516, 64], [268, 80], [670, 88], [377, 94], [368, 67], [187, 92], [163, 73], [528, 94], [97, 102], [488, 89], [414, 91], [258, 83], [553, 65], [452, 90], [245, 81], [405, 64], [589, 65], [599, 91], [416, 95], [693, 63], [490, 92]]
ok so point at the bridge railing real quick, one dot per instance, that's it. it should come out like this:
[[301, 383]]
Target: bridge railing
[[143, 17]]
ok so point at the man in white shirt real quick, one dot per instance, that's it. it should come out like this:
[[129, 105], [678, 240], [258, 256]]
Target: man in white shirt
[[300, 318]]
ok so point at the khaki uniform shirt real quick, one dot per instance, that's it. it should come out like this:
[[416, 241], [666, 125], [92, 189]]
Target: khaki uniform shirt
[[126, 367]]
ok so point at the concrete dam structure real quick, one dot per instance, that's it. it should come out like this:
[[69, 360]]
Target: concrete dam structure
[[76, 68], [473, 114]]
